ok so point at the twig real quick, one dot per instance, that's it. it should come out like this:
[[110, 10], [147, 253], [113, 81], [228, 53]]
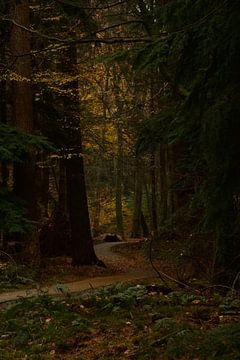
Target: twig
[[9, 256], [71, 3], [152, 264], [235, 280], [160, 273]]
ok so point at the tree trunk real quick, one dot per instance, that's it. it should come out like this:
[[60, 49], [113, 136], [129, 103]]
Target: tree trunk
[[154, 197], [81, 239], [81, 242], [20, 40], [170, 181], [22, 112], [137, 213], [145, 230], [163, 185], [118, 179], [62, 187]]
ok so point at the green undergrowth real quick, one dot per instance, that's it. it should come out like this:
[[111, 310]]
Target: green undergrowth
[[16, 276], [123, 321]]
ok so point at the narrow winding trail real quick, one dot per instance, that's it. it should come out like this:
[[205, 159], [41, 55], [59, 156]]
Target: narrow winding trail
[[103, 251]]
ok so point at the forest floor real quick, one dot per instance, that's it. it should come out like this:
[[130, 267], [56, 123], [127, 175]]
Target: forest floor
[[125, 261], [121, 312]]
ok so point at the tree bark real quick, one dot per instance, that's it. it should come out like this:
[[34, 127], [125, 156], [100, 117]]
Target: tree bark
[[81, 239], [163, 184], [22, 113], [154, 197], [137, 211], [118, 179], [81, 242]]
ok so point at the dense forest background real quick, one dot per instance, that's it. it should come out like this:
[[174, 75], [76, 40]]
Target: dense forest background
[[121, 116]]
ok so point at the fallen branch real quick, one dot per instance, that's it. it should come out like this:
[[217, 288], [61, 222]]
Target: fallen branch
[[160, 273]]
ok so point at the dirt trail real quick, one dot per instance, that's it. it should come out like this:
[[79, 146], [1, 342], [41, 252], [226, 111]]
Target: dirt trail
[[103, 251]]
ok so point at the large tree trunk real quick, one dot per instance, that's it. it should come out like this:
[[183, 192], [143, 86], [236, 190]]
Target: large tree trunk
[[81, 239], [22, 111], [81, 242]]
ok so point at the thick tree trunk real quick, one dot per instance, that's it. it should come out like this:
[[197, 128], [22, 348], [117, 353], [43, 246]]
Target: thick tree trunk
[[81, 238], [81, 243], [22, 112], [62, 187]]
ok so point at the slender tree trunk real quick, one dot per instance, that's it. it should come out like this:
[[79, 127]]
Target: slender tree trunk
[[3, 119], [170, 182], [137, 211], [145, 230], [154, 197], [118, 179], [163, 184], [147, 194]]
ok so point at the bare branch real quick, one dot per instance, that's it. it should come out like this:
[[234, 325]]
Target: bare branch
[[89, 39], [117, 25], [71, 3], [35, 32], [109, 41]]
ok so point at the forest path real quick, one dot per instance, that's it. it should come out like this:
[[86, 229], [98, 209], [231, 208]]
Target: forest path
[[105, 253]]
